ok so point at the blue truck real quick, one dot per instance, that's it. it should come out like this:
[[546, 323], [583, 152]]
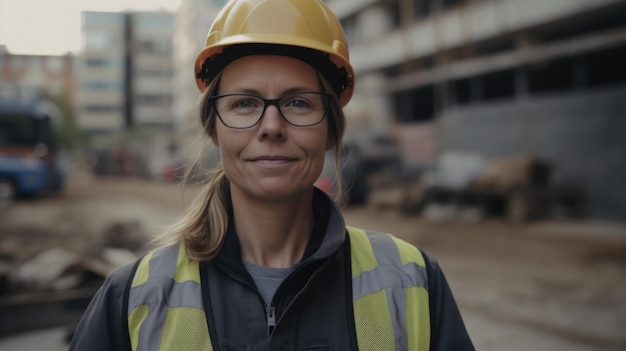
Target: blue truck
[[30, 162]]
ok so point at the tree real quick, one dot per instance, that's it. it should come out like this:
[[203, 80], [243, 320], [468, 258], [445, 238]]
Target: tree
[[69, 133]]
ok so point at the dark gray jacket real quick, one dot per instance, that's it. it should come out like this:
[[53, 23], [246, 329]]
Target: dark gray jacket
[[313, 305]]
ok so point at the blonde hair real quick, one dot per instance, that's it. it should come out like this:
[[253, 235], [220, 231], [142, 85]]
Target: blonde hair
[[203, 226]]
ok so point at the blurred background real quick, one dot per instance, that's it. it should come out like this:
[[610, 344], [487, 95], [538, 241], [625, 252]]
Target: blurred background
[[492, 133]]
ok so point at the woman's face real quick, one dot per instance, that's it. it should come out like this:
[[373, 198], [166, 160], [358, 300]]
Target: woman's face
[[273, 160]]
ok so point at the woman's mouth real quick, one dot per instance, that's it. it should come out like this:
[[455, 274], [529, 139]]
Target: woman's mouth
[[272, 161]]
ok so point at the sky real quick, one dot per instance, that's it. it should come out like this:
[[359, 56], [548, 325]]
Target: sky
[[52, 27]]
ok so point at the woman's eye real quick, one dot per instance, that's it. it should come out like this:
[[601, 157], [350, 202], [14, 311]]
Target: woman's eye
[[299, 103], [244, 104]]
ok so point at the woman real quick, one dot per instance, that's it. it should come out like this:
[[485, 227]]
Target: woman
[[263, 260]]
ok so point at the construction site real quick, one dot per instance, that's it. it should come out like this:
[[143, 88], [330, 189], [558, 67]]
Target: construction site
[[544, 285], [489, 133]]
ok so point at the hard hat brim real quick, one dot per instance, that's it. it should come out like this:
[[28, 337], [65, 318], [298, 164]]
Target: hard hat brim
[[338, 55]]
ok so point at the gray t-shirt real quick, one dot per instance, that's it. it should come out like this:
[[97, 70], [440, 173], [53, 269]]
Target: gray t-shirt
[[267, 279]]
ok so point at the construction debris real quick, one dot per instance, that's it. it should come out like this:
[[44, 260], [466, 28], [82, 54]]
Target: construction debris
[[59, 277]]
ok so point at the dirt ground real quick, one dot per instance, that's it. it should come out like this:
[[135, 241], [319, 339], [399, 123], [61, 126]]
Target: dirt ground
[[540, 286]]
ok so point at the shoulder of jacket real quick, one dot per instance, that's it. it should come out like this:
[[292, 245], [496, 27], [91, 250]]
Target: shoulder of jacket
[[120, 275], [386, 243]]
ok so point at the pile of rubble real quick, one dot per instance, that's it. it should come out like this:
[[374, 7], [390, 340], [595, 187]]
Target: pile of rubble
[[54, 277]]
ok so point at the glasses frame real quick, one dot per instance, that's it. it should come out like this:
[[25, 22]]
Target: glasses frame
[[271, 102]]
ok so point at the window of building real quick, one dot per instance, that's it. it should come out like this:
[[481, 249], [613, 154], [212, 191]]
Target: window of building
[[553, 76], [155, 99], [99, 85], [155, 72], [101, 41], [491, 47], [461, 91], [606, 67], [104, 62], [605, 18], [102, 108], [421, 9], [498, 85], [415, 104], [450, 3], [154, 21], [154, 46]]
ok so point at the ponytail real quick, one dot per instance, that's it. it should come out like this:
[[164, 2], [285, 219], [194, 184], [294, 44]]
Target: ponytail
[[203, 226]]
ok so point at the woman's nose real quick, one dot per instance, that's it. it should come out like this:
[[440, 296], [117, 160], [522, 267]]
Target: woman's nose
[[272, 125]]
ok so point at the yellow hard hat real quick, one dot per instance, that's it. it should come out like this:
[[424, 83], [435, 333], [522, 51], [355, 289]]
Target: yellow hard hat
[[304, 29]]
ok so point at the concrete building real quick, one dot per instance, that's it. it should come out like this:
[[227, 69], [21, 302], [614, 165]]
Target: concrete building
[[193, 20], [125, 76], [126, 90], [499, 78], [34, 76], [101, 72], [152, 69]]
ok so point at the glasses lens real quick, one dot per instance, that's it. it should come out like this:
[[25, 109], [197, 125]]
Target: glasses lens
[[239, 111], [304, 109], [244, 111]]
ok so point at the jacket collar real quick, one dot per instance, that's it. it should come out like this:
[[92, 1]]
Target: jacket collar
[[327, 236]]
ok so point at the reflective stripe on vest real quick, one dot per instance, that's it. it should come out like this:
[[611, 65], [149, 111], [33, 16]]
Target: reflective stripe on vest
[[165, 310], [389, 293]]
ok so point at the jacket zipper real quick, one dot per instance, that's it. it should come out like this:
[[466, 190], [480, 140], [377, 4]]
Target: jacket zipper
[[270, 314], [270, 311], [277, 296]]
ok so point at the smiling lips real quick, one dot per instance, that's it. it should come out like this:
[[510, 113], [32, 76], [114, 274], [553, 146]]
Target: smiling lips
[[272, 161]]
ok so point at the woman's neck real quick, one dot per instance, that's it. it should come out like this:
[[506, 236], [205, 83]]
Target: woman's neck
[[273, 233]]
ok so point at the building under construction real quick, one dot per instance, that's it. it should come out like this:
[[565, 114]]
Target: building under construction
[[499, 78]]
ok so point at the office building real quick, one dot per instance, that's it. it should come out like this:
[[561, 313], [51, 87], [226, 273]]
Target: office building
[[499, 78], [125, 77]]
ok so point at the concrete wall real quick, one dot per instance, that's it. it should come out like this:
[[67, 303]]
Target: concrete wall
[[583, 134], [473, 23]]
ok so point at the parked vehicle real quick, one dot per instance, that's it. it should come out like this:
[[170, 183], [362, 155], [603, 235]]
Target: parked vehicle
[[362, 159], [30, 162]]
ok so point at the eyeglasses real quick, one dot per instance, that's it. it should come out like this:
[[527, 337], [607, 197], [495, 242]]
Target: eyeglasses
[[240, 111]]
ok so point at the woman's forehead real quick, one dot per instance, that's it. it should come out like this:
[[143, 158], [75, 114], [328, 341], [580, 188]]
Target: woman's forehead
[[268, 69]]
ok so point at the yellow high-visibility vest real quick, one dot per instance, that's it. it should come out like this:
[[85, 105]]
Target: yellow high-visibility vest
[[389, 290]]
